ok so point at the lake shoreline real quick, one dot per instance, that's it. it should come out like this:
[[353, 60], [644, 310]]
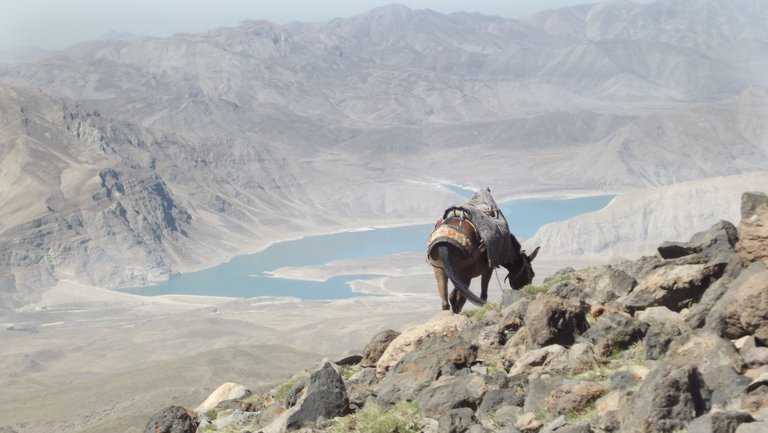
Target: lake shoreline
[[267, 243], [360, 253]]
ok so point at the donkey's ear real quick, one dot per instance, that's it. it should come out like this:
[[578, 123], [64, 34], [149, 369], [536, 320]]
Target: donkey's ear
[[533, 254]]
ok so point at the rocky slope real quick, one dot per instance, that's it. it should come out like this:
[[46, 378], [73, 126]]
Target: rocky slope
[[221, 142], [667, 343]]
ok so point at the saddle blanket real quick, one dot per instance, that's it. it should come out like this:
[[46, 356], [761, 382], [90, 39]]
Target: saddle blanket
[[491, 225]]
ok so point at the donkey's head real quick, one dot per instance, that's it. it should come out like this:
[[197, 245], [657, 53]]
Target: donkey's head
[[520, 270]]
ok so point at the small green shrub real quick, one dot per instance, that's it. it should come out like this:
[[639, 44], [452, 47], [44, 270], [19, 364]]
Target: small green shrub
[[551, 281], [281, 393], [401, 418], [346, 371], [256, 399], [533, 290], [587, 412], [480, 313], [212, 413]]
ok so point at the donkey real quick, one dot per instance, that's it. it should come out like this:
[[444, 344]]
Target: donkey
[[458, 253]]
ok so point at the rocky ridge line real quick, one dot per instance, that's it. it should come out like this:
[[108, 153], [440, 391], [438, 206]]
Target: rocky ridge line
[[668, 343]]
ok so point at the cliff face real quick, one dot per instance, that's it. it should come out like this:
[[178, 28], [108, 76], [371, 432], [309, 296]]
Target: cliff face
[[636, 222], [664, 343], [81, 198], [105, 202]]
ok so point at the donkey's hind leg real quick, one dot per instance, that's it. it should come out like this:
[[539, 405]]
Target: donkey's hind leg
[[457, 300], [442, 287]]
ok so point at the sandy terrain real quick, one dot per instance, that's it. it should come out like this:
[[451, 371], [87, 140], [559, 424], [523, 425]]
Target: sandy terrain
[[88, 359]]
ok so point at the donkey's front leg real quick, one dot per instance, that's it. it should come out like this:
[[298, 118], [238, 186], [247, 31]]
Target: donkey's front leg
[[484, 280]]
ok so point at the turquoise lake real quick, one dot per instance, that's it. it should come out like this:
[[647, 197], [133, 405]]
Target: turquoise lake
[[243, 276]]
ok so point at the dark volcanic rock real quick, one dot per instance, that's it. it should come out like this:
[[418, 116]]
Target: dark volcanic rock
[[456, 420], [659, 337], [623, 379], [496, 398], [718, 240], [379, 343], [553, 320], [451, 392], [675, 287], [719, 422], [753, 353], [573, 397], [674, 250], [538, 391], [716, 360], [325, 396], [743, 309], [669, 398], [614, 331], [602, 283], [567, 290], [697, 315], [425, 364], [295, 393], [173, 419], [350, 360]]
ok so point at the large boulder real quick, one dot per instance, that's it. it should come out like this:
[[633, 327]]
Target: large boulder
[[539, 389], [173, 419], [451, 392], [325, 396], [614, 332], [497, 398], [743, 309], [235, 418], [669, 398], [552, 358], [436, 357], [753, 228], [600, 284], [444, 324], [719, 422], [674, 286], [553, 320], [697, 314], [572, 398], [659, 337], [718, 240], [458, 421], [717, 361], [753, 352]]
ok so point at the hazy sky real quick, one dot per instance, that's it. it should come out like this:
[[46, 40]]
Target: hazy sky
[[60, 23]]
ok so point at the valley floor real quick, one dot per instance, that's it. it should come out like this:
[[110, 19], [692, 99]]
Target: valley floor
[[107, 360]]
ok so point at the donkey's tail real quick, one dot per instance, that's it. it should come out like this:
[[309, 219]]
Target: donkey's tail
[[445, 259]]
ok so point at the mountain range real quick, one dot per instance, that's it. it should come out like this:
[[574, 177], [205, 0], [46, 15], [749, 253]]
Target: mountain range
[[125, 161]]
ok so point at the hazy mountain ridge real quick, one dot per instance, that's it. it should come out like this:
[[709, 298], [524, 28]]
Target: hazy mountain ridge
[[706, 26], [244, 135]]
